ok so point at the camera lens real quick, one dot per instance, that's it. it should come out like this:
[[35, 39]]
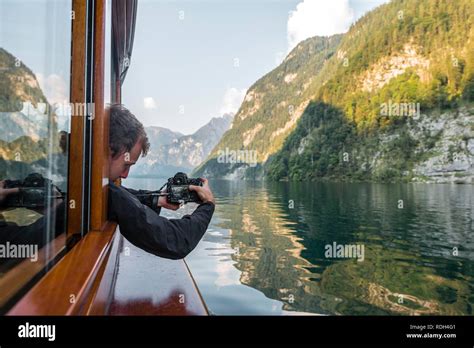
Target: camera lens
[[180, 178]]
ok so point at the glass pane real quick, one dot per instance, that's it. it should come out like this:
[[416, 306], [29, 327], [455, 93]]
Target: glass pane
[[35, 46]]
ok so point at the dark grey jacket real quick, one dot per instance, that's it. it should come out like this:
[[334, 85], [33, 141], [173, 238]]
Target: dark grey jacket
[[146, 229]]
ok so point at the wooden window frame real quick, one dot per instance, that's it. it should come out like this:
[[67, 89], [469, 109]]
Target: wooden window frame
[[90, 238], [21, 277], [76, 169], [100, 134]]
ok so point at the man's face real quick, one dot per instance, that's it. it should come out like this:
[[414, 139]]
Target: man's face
[[119, 166]]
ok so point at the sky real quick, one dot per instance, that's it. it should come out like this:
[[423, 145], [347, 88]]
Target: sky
[[192, 60], [38, 32]]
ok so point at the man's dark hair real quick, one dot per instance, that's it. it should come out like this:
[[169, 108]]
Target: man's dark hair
[[125, 130]]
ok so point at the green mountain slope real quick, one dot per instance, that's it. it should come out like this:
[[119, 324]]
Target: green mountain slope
[[393, 102], [273, 105], [18, 84], [421, 55], [404, 51]]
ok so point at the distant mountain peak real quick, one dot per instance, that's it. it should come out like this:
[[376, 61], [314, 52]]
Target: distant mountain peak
[[172, 151]]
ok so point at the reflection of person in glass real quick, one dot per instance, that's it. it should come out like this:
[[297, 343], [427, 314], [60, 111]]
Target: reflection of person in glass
[[32, 210], [33, 197]]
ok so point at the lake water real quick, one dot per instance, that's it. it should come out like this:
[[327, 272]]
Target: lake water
[[267, 248]]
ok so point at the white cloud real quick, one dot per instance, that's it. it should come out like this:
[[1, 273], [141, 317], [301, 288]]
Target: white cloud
[[54, 88], [149, 103], [233, 97], [56, 91], [315, 17]]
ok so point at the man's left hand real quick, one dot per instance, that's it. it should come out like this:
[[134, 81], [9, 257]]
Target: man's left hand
[[162, 202]]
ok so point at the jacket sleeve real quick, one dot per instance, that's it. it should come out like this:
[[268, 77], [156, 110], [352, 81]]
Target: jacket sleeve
[[136, 192], [168, 238], [143, 200]]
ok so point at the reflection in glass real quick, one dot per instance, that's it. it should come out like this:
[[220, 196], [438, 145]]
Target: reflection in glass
[[34, 128]]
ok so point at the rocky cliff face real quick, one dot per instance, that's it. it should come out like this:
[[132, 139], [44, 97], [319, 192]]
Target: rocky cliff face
[[451, 157], [172, 152]]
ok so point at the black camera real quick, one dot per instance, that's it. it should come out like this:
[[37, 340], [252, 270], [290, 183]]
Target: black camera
[[34, 192], [32, 180], [177, 189]]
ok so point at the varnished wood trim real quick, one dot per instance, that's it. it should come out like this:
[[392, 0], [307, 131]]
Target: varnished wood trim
[[104, 286], [100, 139], [76, 142], [149, 285], [118, 91], [67, 288]]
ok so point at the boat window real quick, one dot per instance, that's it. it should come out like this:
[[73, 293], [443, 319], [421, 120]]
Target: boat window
[[35, 116]]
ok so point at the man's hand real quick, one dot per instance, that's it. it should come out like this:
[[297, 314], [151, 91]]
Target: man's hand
[[5, 192], [204, 192], [162, 202]]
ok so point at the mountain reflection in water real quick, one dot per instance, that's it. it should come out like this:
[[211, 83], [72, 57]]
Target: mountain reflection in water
[[264, 252]]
